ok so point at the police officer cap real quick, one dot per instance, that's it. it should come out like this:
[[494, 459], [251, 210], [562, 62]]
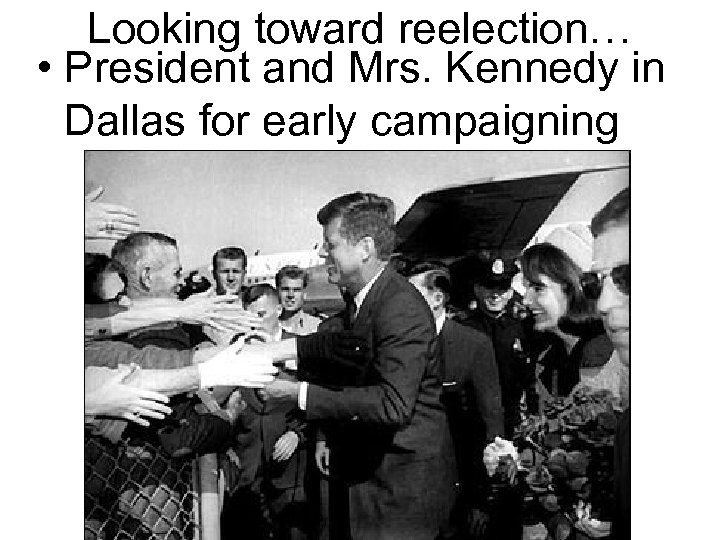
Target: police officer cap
[[496, 273]]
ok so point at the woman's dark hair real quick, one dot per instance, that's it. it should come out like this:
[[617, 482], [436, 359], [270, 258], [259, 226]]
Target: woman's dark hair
[[97, 264], [548, 260]]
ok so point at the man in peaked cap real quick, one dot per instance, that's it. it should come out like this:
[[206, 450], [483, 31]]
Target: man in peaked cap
[[495, 317]]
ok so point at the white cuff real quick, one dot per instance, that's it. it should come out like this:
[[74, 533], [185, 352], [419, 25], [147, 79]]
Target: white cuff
[[210, 375], [302, 396]]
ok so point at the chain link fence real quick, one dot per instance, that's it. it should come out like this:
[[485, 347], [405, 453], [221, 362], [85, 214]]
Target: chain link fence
[[136, 491]]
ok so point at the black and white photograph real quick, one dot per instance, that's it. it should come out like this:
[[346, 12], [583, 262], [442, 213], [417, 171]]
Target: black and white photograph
[[356, 345]]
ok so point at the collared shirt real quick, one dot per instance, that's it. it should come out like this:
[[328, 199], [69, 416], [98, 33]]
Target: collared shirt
[[440, 322], [360, 296]]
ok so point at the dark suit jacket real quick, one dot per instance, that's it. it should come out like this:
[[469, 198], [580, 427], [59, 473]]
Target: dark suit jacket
[[509, 337], [471, 393], [261, 424], [394, 448]]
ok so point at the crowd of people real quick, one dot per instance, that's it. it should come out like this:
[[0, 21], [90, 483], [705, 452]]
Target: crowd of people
[[387, 420]]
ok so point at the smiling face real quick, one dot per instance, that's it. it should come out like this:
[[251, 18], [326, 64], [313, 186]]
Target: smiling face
[[344, 259], [611, 248], [229, 275], [547, 302], [492, 300], [292, 294]]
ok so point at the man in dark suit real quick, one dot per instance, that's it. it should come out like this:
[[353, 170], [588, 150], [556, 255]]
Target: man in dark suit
[[394, 451], [608, 283], [471, 393]]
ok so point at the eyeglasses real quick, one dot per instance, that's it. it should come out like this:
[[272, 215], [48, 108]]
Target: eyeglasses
[[592, 282]]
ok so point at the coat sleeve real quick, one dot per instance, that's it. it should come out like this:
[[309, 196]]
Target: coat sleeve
[[296, 422], [484, 383], [402, 339], [332, 358], [114, 353]]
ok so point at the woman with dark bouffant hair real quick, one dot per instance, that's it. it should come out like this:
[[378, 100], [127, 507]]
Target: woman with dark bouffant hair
[[569, 336]]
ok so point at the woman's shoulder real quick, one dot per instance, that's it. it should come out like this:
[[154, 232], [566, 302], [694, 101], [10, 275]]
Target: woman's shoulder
[[595, 350]]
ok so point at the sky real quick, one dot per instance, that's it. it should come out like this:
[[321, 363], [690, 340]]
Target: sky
[[267, 201]]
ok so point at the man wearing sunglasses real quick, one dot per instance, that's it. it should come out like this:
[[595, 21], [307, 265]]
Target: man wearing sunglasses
[[609, 283], [609, 280]]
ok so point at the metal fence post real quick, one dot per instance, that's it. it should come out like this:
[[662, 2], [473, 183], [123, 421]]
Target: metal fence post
[[209, 497]]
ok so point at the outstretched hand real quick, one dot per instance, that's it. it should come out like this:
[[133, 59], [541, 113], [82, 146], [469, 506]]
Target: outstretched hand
[[477, 520], [285, 446], [237, 366], [593, 528], [218, 312], [115, 398], [108, 221]]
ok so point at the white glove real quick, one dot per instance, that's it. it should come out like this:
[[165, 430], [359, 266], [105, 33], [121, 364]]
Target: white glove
[[231, 367], [493, 451], [590, 526]]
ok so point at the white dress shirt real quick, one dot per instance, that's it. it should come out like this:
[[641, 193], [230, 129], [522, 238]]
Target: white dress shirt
[[440, 322]]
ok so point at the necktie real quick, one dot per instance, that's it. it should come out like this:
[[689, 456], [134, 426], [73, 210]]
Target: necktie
[[350, 310]]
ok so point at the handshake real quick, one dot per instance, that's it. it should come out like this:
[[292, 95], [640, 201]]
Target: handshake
[[239, 364], [330, 358]]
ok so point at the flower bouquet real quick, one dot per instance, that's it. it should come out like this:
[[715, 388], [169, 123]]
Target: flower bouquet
[[565, 463]]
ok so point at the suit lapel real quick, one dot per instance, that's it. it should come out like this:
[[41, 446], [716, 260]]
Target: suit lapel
[[364, 314], [448, 331]]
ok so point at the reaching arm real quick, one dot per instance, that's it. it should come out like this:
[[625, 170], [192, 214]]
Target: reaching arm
[[214, 311], [115, 353], [107, 394], [485, 397], [172, 372], [170, 381], [485, 382], [107, 221]]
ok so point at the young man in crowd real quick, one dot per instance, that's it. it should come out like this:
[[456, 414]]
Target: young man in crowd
[[291, 282], [269, 498], [229, 266], [471, 393]]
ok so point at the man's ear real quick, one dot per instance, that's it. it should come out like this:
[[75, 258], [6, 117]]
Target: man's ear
[[477, 290], [145, 278], [367, 244]]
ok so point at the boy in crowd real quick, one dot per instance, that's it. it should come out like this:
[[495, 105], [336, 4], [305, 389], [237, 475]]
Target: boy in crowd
[[291, 282]]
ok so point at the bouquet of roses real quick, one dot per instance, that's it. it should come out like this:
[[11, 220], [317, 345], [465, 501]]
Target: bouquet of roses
[[565, 460]]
